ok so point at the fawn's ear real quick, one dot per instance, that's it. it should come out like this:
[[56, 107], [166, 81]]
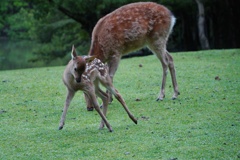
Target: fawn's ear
[[74, 53], [89, 58]]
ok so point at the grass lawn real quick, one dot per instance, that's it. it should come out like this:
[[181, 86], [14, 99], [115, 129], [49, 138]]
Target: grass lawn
[[203, 123]]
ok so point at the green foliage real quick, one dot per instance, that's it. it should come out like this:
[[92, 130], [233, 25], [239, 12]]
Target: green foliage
[[57, 33], [203, 123], [14, 55], [21, 25], [14, 19]]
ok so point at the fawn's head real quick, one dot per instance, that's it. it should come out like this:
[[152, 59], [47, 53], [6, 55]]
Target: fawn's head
[[79, 64]]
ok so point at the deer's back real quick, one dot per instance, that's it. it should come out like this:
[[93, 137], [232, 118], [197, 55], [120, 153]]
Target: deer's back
[[129, 28]]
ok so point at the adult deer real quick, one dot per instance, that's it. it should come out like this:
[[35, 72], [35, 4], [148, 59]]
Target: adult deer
[[132, 27], [85, 73]]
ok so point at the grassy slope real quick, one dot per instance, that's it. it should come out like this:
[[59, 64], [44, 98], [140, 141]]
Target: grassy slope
[[203, 123]]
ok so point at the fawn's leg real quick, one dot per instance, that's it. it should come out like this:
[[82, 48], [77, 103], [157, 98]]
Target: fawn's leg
[[121, 100], [93, 99], [104, 97], [70, 96]]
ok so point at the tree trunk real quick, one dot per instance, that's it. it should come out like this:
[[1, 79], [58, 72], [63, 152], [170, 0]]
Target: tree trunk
[[201, 23]]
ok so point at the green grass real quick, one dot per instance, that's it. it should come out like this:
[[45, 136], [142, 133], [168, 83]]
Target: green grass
[[203, 123]]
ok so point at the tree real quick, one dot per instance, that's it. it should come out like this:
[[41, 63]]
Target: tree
[[11, 13], [62, 23], [201, 25]]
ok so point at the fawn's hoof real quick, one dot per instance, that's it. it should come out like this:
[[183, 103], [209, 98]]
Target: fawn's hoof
[[159, 99], [135, 121], [89, 108], [110, 100], [173, 98]]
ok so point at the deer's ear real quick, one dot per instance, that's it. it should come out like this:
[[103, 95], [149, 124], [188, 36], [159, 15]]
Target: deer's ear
[[74, 53], [89, 58]]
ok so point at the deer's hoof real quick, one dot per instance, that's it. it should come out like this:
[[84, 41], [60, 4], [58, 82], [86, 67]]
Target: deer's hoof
[[173, 98], [135, 121], [101, 126], [110, 100], [89, 108], [159, 99], [60, 128]]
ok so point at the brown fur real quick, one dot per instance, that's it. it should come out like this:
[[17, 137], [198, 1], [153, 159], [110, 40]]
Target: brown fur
[[85, 74], [130, 28]]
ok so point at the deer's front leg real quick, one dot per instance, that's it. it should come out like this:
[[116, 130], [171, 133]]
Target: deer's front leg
[[70, 96]]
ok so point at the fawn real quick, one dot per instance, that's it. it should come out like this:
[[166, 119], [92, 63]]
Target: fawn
[[132, 27], [85, 73]]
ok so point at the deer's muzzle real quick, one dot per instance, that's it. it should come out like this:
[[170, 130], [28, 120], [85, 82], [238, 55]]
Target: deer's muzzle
[[78, 80]]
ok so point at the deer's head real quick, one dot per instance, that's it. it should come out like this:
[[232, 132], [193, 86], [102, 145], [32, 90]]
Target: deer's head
[[79, 64]]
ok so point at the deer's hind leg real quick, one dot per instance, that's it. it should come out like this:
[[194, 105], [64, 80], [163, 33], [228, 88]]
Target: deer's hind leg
[[121, 100], [159, 48], [104, 96], [92, 97], [108, 84], [173, 76]]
